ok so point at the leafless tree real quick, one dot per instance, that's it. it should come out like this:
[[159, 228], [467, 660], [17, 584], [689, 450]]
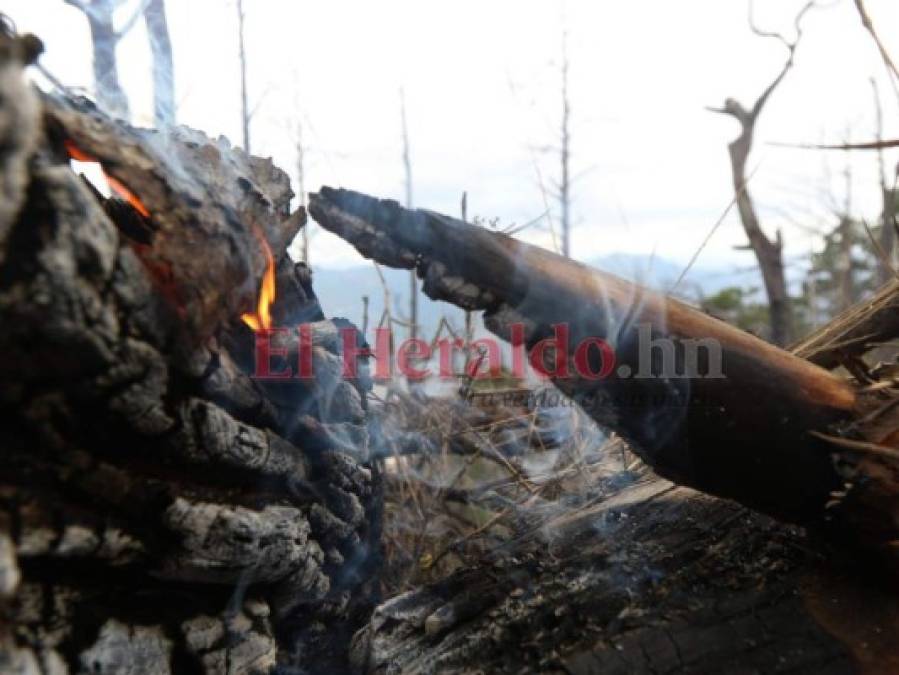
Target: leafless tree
[[888, 194], [100, 15], [301, 185], [565, 155], [407, 168], [844, 271], [768, 252], [469, 323], [364, 315], [245, 113], [163, 64]]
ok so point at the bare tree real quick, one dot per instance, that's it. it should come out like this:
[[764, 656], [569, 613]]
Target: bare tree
[[768, 252], [163, 63], [888, 194], [407, 168], [469, 323], [245, 113], [565, 155], [845, 267], [100, 16], [301, 185], [364, 315]]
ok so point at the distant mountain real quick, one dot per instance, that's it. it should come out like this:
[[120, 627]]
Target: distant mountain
[[702, 279], [341, 290]]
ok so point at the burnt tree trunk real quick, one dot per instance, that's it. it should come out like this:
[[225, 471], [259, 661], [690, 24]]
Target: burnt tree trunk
[[652, 579], [160, 510]]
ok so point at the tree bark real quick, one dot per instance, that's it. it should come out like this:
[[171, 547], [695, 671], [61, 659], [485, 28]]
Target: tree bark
[[160, 510], [242, 57], [653, 578], [768, 252], [640, 575], [744, 435]]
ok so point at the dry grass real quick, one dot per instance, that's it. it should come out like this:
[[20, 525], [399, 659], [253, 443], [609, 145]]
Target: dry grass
[[466, 475]]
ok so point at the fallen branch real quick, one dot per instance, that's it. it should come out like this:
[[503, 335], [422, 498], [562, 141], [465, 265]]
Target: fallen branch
[[743, 436]]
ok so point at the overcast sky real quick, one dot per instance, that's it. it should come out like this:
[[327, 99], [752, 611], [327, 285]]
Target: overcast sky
[[481, 81]]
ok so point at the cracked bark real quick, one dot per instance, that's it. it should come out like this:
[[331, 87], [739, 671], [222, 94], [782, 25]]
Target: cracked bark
[[161, 511]]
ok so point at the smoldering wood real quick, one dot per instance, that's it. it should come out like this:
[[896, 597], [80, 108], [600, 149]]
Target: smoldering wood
[[648, 576], [653, 578], [160, 510], [203, 195], [776, 468], [562, 583]]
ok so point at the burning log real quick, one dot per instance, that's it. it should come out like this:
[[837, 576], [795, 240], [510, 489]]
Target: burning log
[[651, 576], [747, 435], [161, 510], [197, 199]]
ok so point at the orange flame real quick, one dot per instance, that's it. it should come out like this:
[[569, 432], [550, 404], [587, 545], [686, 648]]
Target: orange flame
[[114, 184], [76, 153], [262, 319], [119, 188]]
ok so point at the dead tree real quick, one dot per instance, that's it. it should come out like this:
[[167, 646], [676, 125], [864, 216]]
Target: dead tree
[[407, 173], [301, 186], [469, 319], [104, 40], [245, 113], [768, 252], [888, 195], [565, 155], [163, 64]]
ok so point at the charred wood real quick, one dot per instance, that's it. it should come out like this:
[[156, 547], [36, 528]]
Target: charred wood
[[747, 435]]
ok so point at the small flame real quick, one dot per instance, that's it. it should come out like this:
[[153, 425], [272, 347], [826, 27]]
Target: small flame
[[262, 319], [114, 184], [76, 153]]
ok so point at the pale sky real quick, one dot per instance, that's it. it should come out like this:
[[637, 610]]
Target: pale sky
[[482, 82]]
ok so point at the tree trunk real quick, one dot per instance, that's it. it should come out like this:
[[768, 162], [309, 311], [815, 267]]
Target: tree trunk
[[160, 510], [104, 40], [768, 406], [768, 253], [163, 64], [652, 579], [242, 57], [642, 575]]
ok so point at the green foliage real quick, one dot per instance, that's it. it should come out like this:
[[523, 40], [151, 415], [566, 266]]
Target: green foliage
[[740, 307]]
